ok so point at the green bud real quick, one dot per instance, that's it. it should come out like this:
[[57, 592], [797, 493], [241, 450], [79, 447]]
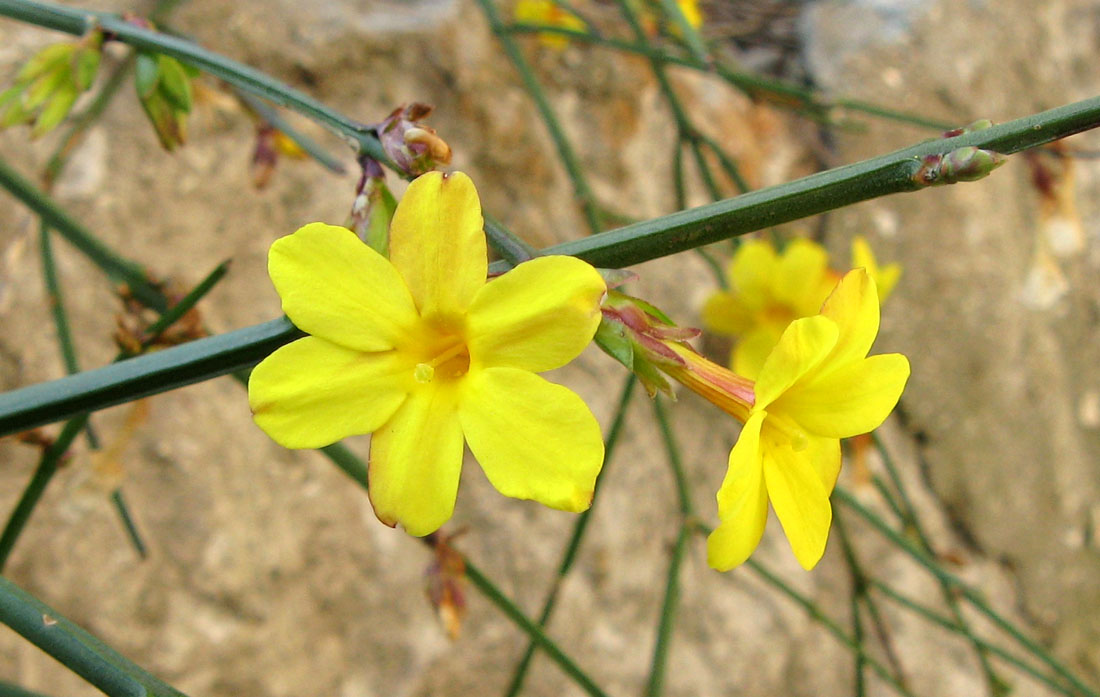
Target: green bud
[[966, 164], [174, 84], [44, 61]]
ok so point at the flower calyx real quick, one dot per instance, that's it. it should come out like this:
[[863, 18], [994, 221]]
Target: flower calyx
[[413, 146]]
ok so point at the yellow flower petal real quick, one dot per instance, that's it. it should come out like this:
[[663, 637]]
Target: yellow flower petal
[[534, 439], [538, 316], [886, 277], [752, 272], [852, 399], [824, 455], [337, 288], [799, 498], [750, 352], [311, 392], [724, 313], [415, 461], [854, 306], [742, 502], [437, 242], [802, 347], [799, 274]]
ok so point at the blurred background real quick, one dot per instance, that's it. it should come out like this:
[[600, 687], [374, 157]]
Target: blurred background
[[267, 573]]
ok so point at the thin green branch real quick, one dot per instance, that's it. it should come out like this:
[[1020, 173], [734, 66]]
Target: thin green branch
[[994, 683], [830, 625], [632, 244], [569, 556], [512, 611], [7, 689], [307, 144], [509, 246], [47, 467], [860, 584], [663, 642], [972, 596], [568, 158], [78, 650], [780, 92], [54, 216], [948, 624]]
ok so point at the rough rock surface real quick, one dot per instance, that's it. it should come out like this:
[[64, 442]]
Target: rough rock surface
[[268, 573]]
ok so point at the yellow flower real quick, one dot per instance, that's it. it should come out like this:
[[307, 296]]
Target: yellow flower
[[421, 351], [548, 13], [691, 12], [816, 387], [886, 277], [767, 292]]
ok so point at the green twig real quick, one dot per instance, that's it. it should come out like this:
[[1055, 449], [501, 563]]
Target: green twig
[[7, 689], [565, 151], [50, 459], [663, 642], [950, 625], [509, 246], [960, 587], [47, 467], [831, 626], [860, 584], [307, 144], [52, 214], [569, 556], [780, 92], [206, 358], [78, 650], [995, 684]]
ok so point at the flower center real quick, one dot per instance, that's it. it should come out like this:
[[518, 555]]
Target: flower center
[[452, 362]]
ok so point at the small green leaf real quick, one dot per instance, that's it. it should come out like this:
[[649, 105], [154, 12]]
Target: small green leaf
[[85, 68], [383, 205], [174, 83], [44, 61], [611, 337], [146, 75], [55, 112], [16, 113], [45, 86], [10, 95]]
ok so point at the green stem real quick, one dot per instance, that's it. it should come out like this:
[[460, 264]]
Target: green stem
[[78, 650], [7, 689], [633, 244], [663, 642], [534, 631], [860, 583], [307, 144], [832, 627], [52, 214], [995, 684], [779, 92], [128, 523], [511, 248], [565, 151], [47, 466], [57, 301], [948, 624], [574, 544], [960, 587], [78, 21], [659, 663]]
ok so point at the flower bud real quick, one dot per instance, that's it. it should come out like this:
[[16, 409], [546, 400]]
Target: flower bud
[[413, 146]]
